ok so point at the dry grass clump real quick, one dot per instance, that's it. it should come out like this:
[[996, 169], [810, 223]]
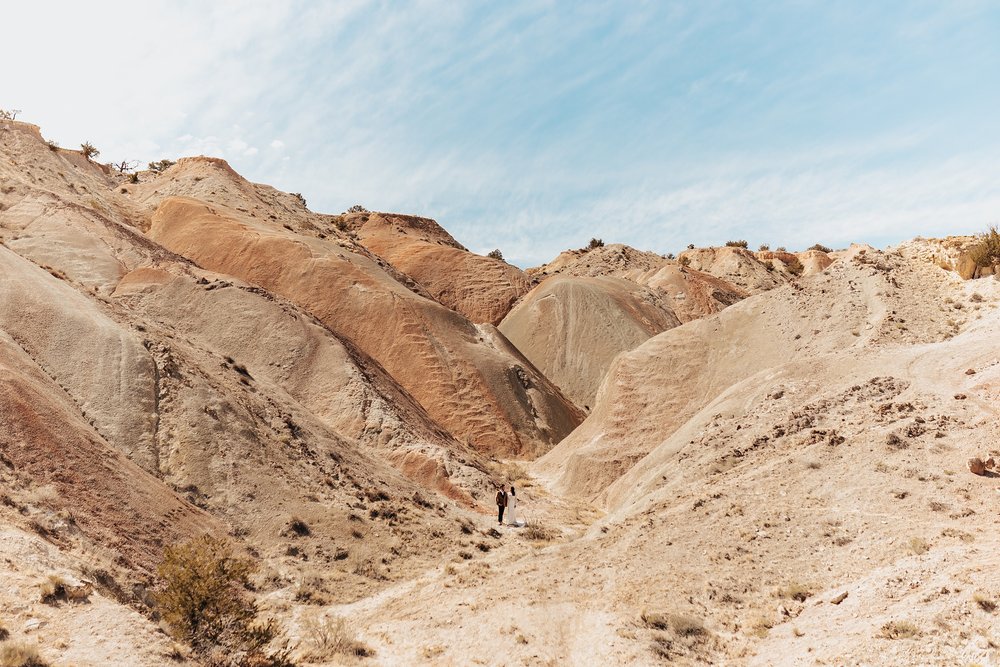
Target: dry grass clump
[[538, 533], [681, 625], [55, 589], [985, 603], [899, 630], [797, 592], [330, 637], [20, 655], [4, 632]]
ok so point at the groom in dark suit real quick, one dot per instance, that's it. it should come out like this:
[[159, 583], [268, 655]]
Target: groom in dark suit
[[501, 504]]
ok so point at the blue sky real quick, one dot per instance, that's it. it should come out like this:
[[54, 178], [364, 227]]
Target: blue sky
[[533, 126]]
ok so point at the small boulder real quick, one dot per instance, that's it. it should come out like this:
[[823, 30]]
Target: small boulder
[[990, 463], [976, 466], [970, 371], [960, 397]]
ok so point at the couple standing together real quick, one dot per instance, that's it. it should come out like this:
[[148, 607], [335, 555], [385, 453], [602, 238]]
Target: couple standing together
[[507, 502]]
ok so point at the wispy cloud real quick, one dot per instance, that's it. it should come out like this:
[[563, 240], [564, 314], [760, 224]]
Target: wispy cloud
[[534, 126]]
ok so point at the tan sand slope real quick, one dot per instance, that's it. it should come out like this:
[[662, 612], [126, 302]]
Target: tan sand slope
[[863, 300], [737, 539], [571, 328], [737, 266], [480, 288], [468, 378], [691, 293]]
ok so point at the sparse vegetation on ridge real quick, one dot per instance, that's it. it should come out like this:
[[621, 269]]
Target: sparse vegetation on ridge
[[88, 150]]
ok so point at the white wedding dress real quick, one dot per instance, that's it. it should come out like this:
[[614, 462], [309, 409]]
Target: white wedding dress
[[512, 510]]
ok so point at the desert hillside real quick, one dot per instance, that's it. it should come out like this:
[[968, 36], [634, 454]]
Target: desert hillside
[[727, 457]]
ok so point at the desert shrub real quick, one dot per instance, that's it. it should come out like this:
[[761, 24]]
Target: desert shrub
[[797, 592], [357, 208], [985, 603], [88, 150], [302, 200], [736, 244], [820, 247], [161, 165], [55, 589], [763, 246], [330, 637], [538, 533], [690, 246], [919, 546], [769, 265], [670, 255], [133, 177], [898, 630], [986, 251], [297, 526], [53, 145], [20, 655], [781, 248], [685, 261], [9, 114], [795, 266], [495, 254], [595, 243], [655, 620], [4, 632], [204, 602]]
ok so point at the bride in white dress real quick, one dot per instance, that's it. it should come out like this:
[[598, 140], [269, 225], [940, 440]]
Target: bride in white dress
[[512, 508]]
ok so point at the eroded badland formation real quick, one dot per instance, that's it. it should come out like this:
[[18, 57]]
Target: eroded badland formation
[[732, 457]]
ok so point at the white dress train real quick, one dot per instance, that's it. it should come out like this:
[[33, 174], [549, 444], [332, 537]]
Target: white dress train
[[512, 510]]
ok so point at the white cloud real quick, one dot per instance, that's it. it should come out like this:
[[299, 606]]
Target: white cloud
[[277, 144]]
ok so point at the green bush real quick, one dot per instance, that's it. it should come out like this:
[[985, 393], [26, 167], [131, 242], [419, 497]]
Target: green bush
[[595, 243], [986, 251], [204, 601], [821, 248], [495, 254], [736, 244]]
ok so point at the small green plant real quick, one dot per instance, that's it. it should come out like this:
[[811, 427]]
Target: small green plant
[[595, 243], [88, 150], [495, 254], [736, 244]]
